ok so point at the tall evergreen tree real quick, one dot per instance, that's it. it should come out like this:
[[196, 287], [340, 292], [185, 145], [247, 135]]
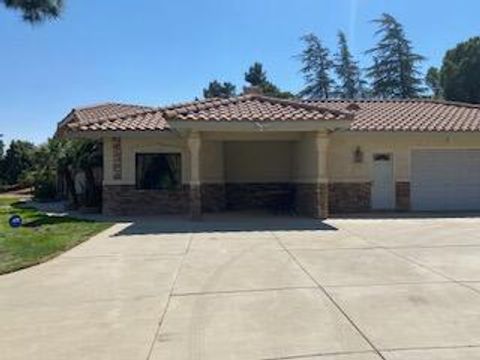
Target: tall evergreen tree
[[460, 73], [394, 72], [217, 89], [347, 70], [432, 79], [35, 11], [2, 162], [18, 159], [316, 69], [257, 77]]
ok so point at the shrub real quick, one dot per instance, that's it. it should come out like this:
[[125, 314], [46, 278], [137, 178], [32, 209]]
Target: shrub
[[44, 185]]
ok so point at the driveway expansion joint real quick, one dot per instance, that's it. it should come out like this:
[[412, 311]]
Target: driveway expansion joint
[[308, 356], [243, 291], [330, 297], [164, 312], [419, 264], [426, 348]]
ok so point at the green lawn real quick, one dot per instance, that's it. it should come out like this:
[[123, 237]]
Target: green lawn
[[40, 238]]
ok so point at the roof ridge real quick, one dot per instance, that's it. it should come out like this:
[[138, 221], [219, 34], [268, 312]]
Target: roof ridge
[[413, 100], [205, 104], [192, 103], [299, 103], [107, 103], [102, 119], [452, 103]]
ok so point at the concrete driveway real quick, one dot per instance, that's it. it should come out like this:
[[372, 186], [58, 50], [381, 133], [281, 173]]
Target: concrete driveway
[[277, 288]]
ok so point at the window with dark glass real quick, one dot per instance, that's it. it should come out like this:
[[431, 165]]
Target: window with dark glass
[[158, 171]]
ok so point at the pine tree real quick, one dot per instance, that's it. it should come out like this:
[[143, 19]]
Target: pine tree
[[432, 79], [217, 89], [394, 72], [347, 70], [257, 77], [460, 72], [316, 69], [35, 11]]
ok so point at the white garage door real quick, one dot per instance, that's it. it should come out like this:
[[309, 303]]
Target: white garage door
[[445, 180]]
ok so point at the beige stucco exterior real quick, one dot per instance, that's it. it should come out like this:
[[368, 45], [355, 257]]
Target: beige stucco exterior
[[233, 158], [259, 161], [287, 157], [342, 168], [133, 145], [224, 168]]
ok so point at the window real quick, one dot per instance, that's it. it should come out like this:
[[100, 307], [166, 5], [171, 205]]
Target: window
[[381, 157], [158, 171]]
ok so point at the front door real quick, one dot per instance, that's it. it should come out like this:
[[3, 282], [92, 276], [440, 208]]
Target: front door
[[383, 194]]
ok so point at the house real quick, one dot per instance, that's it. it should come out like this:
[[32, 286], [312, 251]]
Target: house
[[317, 157]]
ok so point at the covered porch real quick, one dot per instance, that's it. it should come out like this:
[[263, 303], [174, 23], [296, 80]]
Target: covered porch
[[196, 172], [248, 152], [277, 172]]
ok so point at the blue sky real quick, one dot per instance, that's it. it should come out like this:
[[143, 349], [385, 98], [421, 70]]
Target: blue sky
[[157, 52]]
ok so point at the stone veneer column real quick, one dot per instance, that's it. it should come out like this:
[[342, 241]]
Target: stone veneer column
[[194, 145], [321, 188], [117, 158], [402, 195]]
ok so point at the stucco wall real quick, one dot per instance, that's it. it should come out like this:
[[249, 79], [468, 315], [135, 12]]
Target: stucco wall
[[259, 161], [342, 168], [212, 162], [285, 160], [306, 159], [132, 146]]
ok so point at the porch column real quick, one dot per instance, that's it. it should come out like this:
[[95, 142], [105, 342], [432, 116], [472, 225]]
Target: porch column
[[321, 193], [194, 145]]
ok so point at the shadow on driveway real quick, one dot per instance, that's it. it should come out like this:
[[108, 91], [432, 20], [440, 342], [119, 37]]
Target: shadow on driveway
[[228, 222]]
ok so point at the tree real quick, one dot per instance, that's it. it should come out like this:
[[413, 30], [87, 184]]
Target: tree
[[316, 68], [432, 79], [257, 77], [18, 159], [42, 175], [88, 155], [217, 89], [460, 73], [394, 72], [347, 70], [2, 171], [35, 11], [65, 158], [2, 148]]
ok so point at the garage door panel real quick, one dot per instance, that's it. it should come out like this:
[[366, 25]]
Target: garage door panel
[[445, 180]]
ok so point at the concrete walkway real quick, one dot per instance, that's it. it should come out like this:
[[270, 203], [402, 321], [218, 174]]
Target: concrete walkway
[[265, 288]]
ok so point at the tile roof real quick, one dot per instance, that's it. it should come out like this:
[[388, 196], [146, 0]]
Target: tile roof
[[121, 117], [113, 116], [367, 115], [409, 115], [253, 108]]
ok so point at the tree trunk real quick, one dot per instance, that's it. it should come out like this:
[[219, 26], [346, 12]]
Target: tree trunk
[[90, 189], [71, 188]]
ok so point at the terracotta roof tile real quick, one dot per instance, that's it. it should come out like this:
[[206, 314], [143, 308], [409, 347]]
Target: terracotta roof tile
[[368, 115], [409, 115], [114, 117], [253, 108]]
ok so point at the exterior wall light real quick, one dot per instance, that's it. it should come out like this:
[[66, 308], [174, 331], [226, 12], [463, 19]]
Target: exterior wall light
[[358, 155]]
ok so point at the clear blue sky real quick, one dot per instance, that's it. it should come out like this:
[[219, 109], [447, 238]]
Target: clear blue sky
[[156, 52]]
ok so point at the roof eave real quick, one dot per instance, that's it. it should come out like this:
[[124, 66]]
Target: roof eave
[[260, 126]]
